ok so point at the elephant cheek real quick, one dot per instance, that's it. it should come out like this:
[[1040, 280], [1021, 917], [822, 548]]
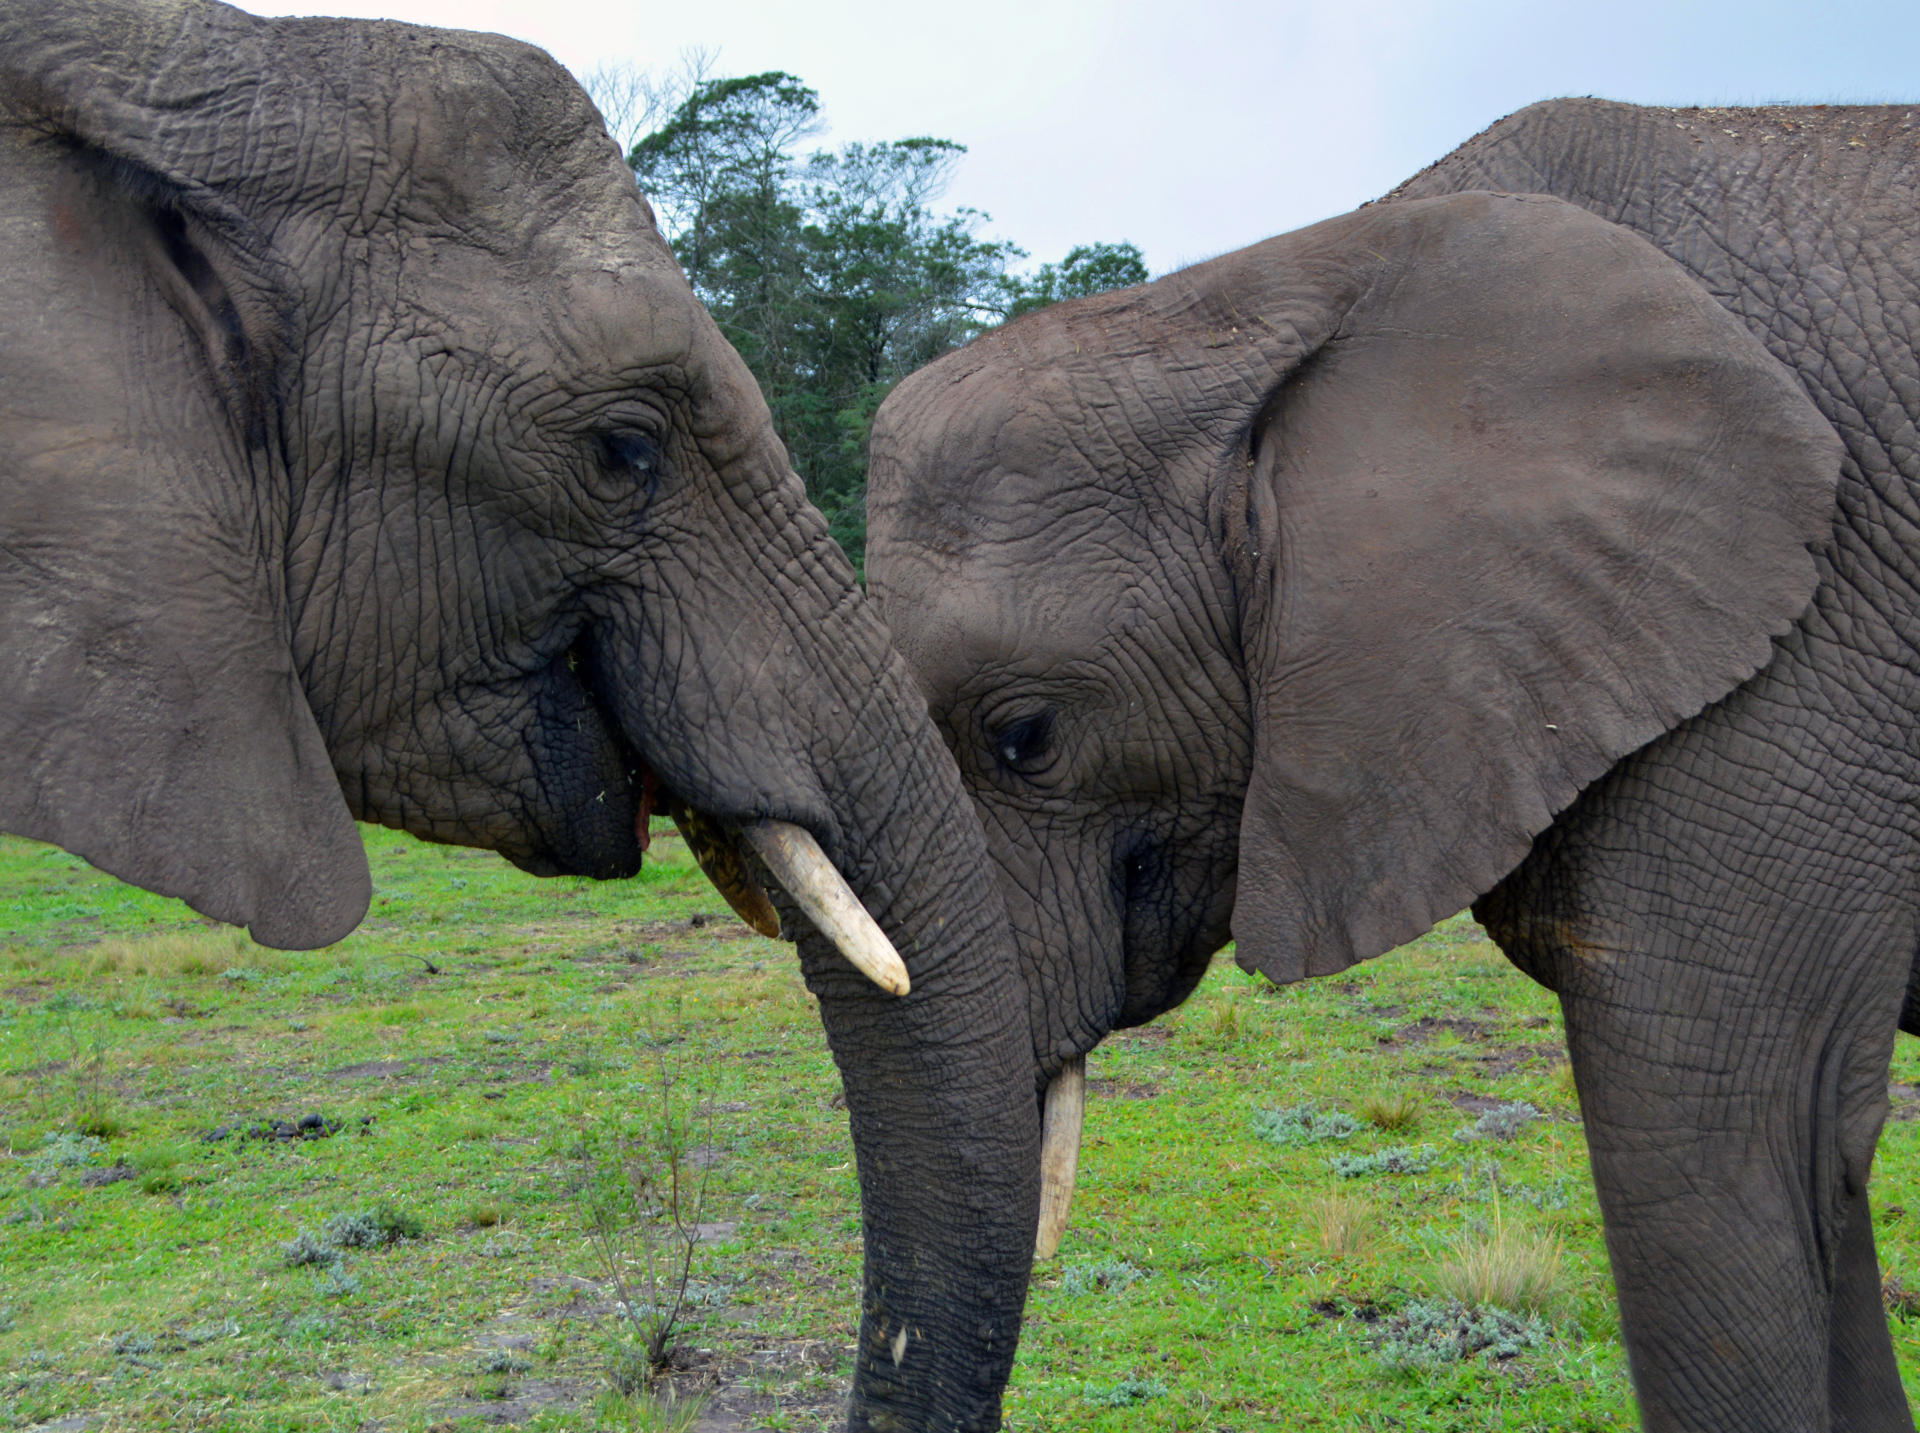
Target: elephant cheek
[[586, 786]]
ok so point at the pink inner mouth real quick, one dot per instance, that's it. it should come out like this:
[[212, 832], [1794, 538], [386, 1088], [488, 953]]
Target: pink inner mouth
[[643, 817]]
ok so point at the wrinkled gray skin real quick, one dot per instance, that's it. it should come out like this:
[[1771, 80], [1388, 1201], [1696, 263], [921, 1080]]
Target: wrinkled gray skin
[[363, 453], [1558, 557]]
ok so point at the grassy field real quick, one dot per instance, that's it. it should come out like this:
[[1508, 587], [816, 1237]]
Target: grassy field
[[1278, 1224]]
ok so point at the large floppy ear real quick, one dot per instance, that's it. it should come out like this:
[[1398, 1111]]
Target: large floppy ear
[[1534, 499], [150, 713]]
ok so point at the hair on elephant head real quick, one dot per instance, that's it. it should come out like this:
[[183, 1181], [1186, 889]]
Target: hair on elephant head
[[1473, 548], [364, 453]]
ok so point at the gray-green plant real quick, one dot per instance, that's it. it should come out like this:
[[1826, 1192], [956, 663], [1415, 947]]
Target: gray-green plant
[[1125, 1393], [1303, 1124], [1108, 1276], [1396, 1159], [1428, 1333], [1502, 1122]]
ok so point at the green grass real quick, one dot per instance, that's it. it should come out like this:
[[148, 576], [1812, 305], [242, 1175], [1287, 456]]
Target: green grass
[[1211, 1278]]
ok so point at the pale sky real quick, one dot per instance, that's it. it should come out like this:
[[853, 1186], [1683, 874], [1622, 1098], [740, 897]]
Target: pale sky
[[1195, 128]]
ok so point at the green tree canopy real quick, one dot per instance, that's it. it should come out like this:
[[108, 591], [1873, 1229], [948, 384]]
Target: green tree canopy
[[1089, 269], [834, 276]]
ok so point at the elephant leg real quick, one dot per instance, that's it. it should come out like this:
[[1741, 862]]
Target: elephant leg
[[1732, 1181], [1863, 1380]]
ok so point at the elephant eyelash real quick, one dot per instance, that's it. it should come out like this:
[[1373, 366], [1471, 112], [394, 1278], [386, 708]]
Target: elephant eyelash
[[632, 456]]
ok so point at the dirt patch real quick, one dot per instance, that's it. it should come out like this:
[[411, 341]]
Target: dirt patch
[[1905, 1100], [1428, 1026], [1469, 1103], [1505, 1059], [385, 1069]]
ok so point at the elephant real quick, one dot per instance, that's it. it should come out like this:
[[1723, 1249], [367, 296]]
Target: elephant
[[364, 454], [1543, 538]]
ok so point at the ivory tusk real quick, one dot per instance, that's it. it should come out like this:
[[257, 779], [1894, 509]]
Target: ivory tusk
[[1060, 1124], [799, 864]]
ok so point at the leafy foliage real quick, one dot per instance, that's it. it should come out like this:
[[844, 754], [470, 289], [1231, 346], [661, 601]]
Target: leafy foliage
[[1089, 269]]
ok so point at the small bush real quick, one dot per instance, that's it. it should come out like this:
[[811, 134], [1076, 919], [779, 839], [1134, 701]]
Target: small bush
[[339, 1284], [1109, 1277], [502, 1361], [385, 1223], [1391, 1110], [1398, 1159], [1124, 1394], [304, 1250], [1303, 1124], [66, 1151], [1502, 1122], [1494, 1263], [1427, 1334]]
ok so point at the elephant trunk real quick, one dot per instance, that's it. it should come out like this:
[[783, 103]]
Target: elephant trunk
[[940, 1095]]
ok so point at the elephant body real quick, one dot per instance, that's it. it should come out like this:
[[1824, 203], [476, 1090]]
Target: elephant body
[[1732, 915], [1545, 536], [364, 454]]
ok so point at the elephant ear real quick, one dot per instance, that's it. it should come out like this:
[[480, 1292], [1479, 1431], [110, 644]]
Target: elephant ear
[[151, 715], [1535, 499]]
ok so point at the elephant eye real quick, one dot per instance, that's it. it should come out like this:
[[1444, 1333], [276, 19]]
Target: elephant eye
[[1022, 746], [632, 457]]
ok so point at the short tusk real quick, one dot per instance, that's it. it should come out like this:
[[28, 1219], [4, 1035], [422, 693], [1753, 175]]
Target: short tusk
[[798, 863], [1066, 1112]]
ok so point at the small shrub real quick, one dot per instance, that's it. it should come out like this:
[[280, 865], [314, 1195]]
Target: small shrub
[[385, 1223], [66, 1151], [1398, 1159], [338, 1283], [643, 1207], [1493, 1263], [304, 1250], [1391, 1110], [483, 1216], [1109, 1277], [1303, 1124], [502, 1361], [1342, 1225], [1502, 1122], [1427, 1334], [1124, 1394]]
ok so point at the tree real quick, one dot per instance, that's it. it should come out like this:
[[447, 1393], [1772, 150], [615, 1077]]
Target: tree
[[1088, 269], [834, 277]]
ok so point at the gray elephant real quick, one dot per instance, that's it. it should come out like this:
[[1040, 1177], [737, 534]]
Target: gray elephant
[[1560, 555], [363, 453]]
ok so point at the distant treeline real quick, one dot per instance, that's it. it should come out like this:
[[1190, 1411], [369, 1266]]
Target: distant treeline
[[833, 274]]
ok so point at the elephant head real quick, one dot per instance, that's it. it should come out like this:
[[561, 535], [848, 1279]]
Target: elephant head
[[1288, 598], [363, 453]]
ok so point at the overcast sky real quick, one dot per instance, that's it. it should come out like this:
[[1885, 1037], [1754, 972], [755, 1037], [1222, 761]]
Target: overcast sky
[[1193, 128]]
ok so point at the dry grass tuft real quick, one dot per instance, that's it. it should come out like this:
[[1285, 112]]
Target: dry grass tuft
[[175, 953], [1503, 1265], [1391, 1110], [1224, 1020], [1342, 1224]]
